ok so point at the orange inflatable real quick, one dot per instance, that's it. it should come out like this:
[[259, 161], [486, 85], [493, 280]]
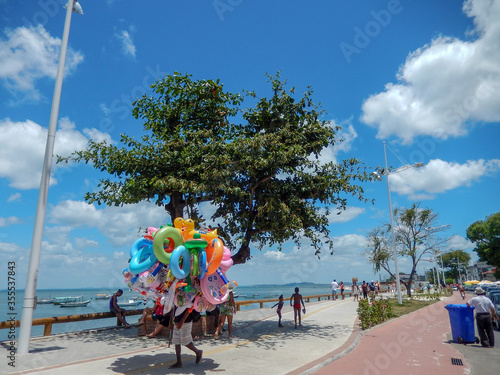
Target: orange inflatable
[[215, 251]]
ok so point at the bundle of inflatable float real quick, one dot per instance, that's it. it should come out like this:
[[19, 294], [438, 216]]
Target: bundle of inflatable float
[[180, 266]]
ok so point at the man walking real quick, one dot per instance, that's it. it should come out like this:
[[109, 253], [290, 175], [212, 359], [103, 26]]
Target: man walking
[[334, 287], [485, 313]]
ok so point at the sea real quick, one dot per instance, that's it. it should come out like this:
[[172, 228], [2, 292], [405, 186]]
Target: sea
[[14, 312]]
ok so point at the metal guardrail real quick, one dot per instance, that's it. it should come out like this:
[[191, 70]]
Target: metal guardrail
[[48, 322]]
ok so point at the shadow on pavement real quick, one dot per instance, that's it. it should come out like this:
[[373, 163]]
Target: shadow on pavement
[[159, 363]]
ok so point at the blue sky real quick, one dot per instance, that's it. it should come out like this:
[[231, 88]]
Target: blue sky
[[421, 75]]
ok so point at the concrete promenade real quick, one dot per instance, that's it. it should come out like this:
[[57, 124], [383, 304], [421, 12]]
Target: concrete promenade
[[259, 346], [327, 343]]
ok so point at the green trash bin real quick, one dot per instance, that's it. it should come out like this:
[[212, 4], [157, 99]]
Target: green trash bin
[[462, 323]]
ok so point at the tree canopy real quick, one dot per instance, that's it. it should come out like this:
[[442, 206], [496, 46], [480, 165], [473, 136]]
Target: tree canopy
[[456, 263], [415, 238], [264, 173], [485, 234]]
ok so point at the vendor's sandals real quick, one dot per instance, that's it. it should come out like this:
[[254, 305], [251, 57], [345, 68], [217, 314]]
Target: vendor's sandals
[[199, 356], [176, 365]]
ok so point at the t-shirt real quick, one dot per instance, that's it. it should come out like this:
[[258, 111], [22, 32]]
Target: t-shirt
[[334, 285], [482, 304]]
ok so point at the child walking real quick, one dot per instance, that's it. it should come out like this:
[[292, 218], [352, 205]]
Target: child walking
[[297, 300], [278, 310]]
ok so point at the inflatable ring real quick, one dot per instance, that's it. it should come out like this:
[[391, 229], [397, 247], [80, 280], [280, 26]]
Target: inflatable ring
[[138, 245], [179, 252], [201, 304], [142, 260], [174, 238], [215, 251], [214, 289]]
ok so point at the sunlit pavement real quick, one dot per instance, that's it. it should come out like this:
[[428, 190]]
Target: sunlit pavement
[[259, 346]]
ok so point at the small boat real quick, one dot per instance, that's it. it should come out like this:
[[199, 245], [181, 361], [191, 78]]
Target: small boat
[[236, 295], [45, 301], [77, 303], [103, 296], [131, 302], [61, 300]]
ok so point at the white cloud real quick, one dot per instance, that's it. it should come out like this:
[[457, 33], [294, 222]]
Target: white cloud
[[22, 161], [14, 197], [445, 85], [119, 224], [128, 47], [6, 221], [457, 242], [439, 176], [347, 134], [120, 255], [28, 54], [275, 255], [349, 245], [11, 249], [348, 214], [82, 243]]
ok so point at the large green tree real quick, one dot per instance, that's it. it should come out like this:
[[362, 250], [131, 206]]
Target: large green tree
[[264, 174], [455, 263], [416, 238], [485, 234]]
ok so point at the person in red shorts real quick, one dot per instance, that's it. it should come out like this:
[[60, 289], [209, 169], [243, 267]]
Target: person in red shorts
[[297, 300]]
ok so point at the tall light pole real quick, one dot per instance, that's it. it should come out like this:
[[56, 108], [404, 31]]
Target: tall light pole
[[386, 172], [36, 242]]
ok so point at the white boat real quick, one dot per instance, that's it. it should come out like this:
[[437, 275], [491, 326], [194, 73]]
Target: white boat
[[103, 296], [77, 303], [61, 300], [131, 302], [45, 301]]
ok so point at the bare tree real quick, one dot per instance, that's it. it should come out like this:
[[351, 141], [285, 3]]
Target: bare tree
[[415, 238]]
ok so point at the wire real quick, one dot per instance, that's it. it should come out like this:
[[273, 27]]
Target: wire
[[395, 154]]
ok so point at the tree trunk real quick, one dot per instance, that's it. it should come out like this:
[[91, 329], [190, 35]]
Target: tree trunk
[[175, 207], [242, 255]]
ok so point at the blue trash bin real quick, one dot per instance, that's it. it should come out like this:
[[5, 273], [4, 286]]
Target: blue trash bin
[[462, 323]]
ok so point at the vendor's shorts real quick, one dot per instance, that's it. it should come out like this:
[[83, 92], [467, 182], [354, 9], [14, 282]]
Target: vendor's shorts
[[226, 310], [182, 336], [114, 311]]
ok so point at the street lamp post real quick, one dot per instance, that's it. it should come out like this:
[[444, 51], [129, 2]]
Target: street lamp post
[[36, 242], [394, 252]]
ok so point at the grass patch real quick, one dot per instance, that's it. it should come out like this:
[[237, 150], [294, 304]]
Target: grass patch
[[408, 305]]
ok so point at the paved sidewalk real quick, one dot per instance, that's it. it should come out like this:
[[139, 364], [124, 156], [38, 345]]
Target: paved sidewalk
[[417, 343], [259, 347]]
